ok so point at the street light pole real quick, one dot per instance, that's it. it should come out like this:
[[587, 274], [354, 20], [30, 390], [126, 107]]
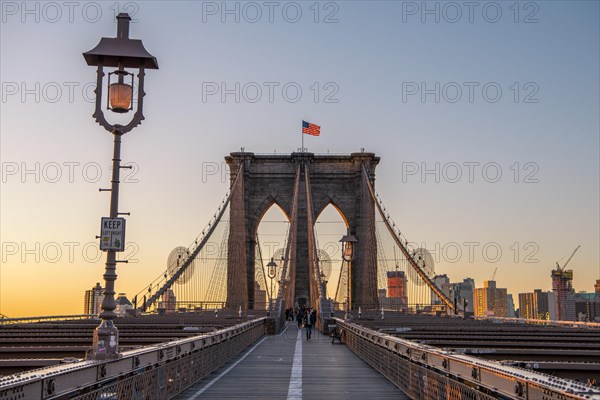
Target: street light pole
[[120, 52], [106, 336], [272, 271], [349, 294], [348, 241]]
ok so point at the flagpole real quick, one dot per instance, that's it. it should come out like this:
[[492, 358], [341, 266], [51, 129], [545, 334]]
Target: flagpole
[[302, 133]]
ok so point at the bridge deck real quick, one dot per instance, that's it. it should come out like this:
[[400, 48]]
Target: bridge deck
[[284, 367]]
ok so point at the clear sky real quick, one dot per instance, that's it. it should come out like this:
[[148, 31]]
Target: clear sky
[[500, 98]]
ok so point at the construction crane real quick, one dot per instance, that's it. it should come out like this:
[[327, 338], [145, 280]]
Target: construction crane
[[565, 264], [494, 274]]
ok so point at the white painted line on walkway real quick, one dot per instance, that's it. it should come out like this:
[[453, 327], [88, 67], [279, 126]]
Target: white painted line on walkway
[[209, 384], [295, 388]]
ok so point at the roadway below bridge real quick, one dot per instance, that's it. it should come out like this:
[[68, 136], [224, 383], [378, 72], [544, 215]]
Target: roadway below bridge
[[25, 346], [563, 351], [288, 366]]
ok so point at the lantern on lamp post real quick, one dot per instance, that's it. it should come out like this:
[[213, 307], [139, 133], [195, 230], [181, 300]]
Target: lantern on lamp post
[[121, 53], [272, 271], [348, 241]]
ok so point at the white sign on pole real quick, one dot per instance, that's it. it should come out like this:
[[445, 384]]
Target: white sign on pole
[[113, 234]]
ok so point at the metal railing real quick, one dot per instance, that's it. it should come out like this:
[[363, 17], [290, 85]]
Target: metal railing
[[430, 373], [155, 372]]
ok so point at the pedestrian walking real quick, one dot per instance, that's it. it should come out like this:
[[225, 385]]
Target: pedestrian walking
[[299, 317], [310, 320]]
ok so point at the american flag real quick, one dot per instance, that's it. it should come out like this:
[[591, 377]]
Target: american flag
[[311, 129]]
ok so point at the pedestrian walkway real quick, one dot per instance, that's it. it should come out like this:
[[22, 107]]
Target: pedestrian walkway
[[290, 367]]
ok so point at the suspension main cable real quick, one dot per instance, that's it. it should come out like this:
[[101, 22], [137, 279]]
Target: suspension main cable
[[403, 248], [198, 246]]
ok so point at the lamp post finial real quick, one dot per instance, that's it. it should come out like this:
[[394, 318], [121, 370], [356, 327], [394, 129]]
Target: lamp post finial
[[123, 20]]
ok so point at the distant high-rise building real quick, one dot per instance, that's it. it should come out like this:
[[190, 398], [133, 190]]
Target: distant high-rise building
[[537, 305], [587, 307], [597, 287], [562, 286], [442, 282], [168, 302], [463, 292], [490, 300], [526, 305], [551, 306], [510, 306], [123, 304], [396, 286], [479, 302], [383, 299], [544, 302], [93, 300]]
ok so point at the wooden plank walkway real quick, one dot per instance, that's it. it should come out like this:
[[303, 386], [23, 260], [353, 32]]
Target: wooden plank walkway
[[288, 366]]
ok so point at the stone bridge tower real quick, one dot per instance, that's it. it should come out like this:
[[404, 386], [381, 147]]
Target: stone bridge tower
[[334, 179]]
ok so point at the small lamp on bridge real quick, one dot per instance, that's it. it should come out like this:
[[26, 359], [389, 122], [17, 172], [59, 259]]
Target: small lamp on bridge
[[120, 52], [348, 241], [324, 280], [272, 271]]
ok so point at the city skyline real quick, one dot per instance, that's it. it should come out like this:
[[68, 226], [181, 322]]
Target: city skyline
[[463, 169]]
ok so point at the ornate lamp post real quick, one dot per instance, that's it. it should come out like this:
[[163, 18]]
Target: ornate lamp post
[[324, 280], [272, 271], [120, 52], [348, 241]]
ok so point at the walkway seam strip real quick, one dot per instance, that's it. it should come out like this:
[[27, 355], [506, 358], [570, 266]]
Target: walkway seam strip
[[295, 388]]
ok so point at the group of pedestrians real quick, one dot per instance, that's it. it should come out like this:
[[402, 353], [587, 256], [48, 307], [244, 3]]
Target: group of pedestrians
[[307, 317]]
